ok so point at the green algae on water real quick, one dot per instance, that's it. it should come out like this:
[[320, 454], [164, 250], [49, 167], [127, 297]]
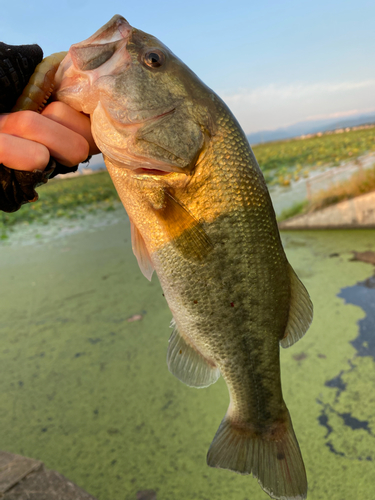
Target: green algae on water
[[89, 393]]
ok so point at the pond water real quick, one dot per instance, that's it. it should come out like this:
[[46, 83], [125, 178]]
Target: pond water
[[84, 385]]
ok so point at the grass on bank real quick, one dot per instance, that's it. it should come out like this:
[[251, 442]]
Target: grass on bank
[[283, 161], [360, 183], [280, 162], [71, 198]]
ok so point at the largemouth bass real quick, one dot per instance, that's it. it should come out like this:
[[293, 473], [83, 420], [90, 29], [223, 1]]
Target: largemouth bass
[[202, 218]]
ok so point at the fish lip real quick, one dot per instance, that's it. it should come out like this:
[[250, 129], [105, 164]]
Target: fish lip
[[115, 33], [109, 32], [161, 171], [142, 171], [157, 172], [137, 166], [150, 172]]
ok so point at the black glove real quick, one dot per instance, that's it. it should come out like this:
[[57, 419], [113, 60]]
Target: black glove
[[17, 64], [17, 187]]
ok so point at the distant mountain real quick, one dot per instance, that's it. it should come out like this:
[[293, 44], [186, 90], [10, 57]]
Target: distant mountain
[[309, 127], [352, 122]]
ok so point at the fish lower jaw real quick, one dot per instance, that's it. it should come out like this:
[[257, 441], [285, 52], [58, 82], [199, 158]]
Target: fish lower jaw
[[150, 171], [133, 165], [142, 173]]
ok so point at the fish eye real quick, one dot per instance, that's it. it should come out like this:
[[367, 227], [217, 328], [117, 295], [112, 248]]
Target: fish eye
[[154, 58]]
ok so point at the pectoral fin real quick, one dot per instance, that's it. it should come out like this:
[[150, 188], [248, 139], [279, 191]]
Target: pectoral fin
[[184, 230], [300, 311], [141, 252], [188, 364]]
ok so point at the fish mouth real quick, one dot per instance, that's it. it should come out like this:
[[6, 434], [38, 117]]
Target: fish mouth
[[86, 62], [79, 83], [140, 167], [150, 171], [108, 43]]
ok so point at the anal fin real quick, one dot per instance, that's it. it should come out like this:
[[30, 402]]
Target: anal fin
[[300, 311], [188, 364]]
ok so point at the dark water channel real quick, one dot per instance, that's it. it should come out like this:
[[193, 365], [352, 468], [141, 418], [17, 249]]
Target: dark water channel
[[362, 295]]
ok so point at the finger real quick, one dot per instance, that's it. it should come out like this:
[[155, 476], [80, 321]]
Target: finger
[[72, 119], [65, 145], [22, 154]]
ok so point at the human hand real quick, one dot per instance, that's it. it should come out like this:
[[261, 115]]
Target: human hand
[[28, 139]]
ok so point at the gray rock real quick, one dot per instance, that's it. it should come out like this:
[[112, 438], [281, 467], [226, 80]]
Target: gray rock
[[24, 478]]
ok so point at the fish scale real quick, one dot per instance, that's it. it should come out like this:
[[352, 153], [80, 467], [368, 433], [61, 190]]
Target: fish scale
[[213, 320], [202, 218]]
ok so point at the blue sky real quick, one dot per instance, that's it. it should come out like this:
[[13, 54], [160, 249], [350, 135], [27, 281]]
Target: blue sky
[[274, 62]]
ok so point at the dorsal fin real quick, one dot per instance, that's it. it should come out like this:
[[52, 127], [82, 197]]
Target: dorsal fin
[[300, 311], [141, 252]]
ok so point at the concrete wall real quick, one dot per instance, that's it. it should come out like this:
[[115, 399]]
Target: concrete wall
[[355, 213]]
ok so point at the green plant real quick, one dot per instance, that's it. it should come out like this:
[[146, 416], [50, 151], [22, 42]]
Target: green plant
[[283, 160], [296, 209], [62, 198]]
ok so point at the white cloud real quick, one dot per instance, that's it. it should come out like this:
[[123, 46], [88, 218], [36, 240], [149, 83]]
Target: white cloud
[[341, 114], [270, 107]]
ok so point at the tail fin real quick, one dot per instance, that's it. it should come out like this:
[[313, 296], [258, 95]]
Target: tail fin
[[276, 461]]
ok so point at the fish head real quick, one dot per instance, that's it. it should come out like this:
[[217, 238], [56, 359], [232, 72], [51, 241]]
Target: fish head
[[148, 110]]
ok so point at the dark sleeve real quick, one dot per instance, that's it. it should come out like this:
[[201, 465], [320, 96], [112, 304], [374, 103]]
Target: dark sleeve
[[17, 64], [17, 187]]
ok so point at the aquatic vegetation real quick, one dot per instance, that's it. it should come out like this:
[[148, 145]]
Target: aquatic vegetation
[[62, 197], [283, 161], [296, 209]]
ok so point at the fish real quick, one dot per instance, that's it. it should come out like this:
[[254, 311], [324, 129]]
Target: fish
[[202, 219]]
